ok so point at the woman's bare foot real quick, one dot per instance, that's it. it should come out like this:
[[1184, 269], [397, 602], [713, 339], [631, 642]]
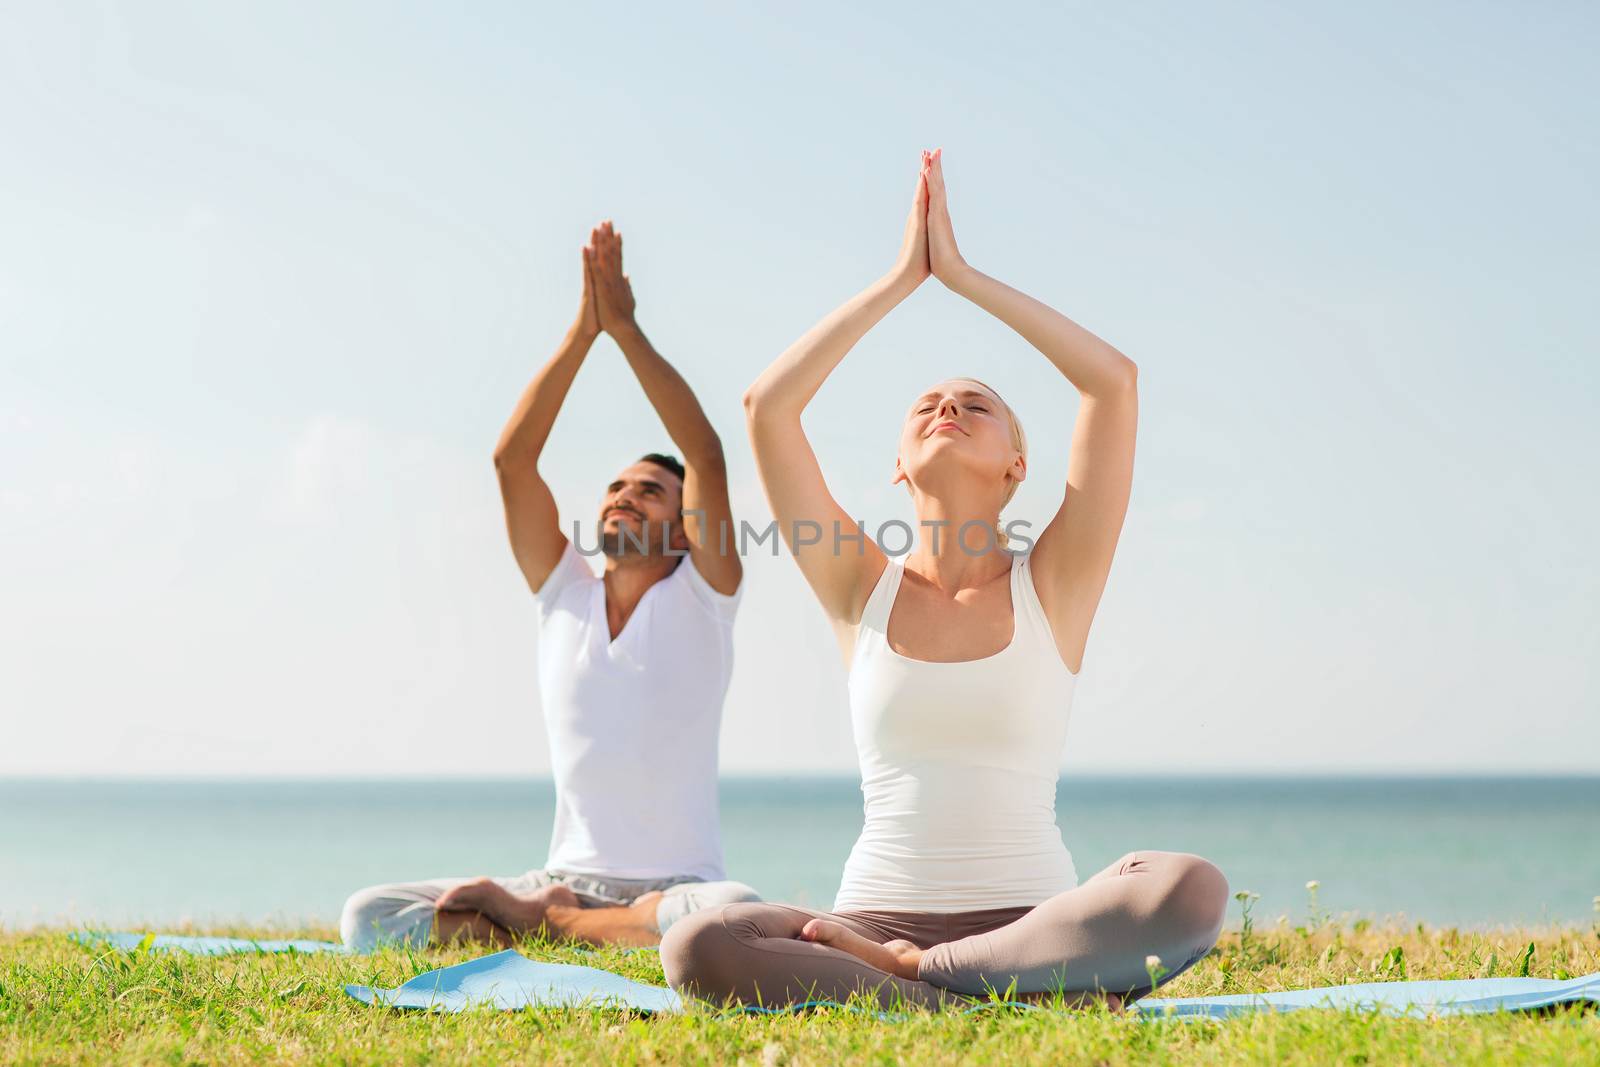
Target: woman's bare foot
[[899, 958], [519, 914]]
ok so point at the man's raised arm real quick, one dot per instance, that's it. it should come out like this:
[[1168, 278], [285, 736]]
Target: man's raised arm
[[708, 517], [532, 519]]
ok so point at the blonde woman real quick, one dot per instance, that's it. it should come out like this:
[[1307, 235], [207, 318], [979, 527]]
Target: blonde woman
[[963, 659]]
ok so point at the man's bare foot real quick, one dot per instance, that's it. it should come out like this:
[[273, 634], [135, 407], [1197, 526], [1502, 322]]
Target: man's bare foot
[[519, 914], [620, 924], [899, 958], [644, 906]]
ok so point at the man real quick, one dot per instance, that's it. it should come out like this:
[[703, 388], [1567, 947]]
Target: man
[[633, 670]]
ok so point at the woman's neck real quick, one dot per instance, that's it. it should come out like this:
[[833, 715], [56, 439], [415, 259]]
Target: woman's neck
[[957, 544]]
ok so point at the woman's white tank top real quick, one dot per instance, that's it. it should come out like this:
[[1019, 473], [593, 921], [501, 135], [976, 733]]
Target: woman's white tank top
[[959, 763]]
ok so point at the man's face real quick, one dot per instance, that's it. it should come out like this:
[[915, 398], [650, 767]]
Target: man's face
[[638, 503]]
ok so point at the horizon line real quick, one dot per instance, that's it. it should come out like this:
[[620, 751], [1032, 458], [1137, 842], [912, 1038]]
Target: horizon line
[[1381, 774]]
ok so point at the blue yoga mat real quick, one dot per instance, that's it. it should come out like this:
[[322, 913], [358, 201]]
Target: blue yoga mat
[[200, 946], [222, 946], [1464, 996], [509, 980]]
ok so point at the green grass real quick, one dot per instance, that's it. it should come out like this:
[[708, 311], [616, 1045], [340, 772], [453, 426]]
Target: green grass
[[61, 1002]]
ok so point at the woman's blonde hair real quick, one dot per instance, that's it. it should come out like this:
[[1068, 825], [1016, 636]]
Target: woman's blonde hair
[[1019, 441]]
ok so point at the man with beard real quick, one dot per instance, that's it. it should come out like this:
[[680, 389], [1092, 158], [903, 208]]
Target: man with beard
[[633, 668]]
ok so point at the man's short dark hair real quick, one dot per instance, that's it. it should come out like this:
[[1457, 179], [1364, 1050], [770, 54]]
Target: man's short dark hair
[[662, 460]]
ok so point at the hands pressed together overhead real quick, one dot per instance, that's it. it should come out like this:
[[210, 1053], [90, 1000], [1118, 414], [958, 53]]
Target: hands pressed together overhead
[[607, 293], [929, 246]]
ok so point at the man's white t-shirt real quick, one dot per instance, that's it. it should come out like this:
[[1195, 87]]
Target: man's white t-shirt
[[633, 723]]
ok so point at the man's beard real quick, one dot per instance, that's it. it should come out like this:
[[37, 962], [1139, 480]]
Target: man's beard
[[623, 543]]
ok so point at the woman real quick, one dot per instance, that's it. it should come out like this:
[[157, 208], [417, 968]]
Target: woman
[[963, 660]]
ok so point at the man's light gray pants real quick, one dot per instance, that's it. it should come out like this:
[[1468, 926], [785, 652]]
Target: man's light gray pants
[[403, 912]]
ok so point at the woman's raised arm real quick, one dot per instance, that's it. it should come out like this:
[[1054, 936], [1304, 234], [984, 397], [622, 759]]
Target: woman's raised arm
[[1072, 556], [806, 512]]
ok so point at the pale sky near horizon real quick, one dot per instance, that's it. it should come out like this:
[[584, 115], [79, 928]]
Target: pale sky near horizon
[[272, 277]]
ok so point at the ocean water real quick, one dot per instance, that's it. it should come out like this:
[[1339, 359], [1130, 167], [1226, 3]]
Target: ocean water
[[1466, 851]]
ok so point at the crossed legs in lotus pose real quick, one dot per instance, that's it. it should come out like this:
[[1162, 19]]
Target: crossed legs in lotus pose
[[1087, 942]]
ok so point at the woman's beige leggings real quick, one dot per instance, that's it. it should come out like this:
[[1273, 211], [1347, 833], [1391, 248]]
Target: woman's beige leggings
[[1097, 937]]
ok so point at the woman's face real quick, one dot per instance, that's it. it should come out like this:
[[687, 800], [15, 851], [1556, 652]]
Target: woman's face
[[957, 428]]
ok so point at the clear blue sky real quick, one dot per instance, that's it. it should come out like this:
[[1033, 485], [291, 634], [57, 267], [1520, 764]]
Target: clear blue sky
[[272, 276]]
